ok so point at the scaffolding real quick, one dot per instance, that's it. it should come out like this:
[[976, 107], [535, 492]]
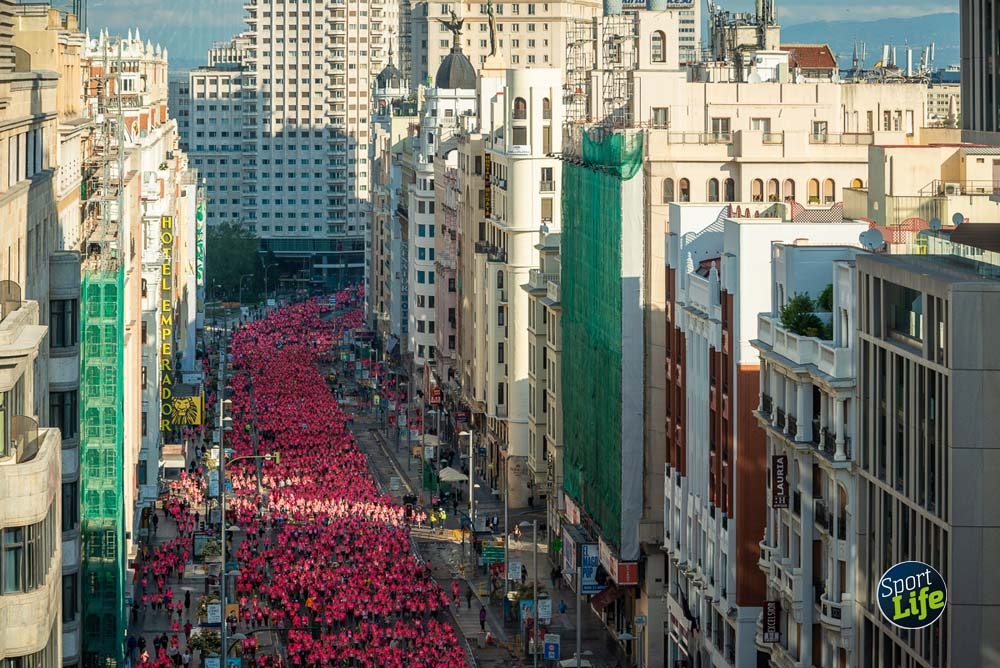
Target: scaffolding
[[619, 44], [579, 65], [102, 494]]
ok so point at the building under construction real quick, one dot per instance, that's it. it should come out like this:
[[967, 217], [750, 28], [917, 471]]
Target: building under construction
[[128, 180]]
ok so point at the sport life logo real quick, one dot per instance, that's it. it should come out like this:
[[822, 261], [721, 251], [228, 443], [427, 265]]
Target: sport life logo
[[912, 595]]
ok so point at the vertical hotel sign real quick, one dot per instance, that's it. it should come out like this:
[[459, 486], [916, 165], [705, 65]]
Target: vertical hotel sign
[[166, 328], [488, 197], [779, 481]]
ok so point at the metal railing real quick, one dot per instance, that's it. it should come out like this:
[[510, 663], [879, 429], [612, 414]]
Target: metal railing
[[766, 404], [844, 139], [546, 186]]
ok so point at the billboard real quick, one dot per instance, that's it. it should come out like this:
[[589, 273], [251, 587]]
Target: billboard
[[590, 559]]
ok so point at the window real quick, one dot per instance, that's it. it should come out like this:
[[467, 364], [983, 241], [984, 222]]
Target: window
[[685, 190], [713, 190], [520, 109], [757, 190], [789, 190], [761, 125], [729, 190], [500, 353], [63, 322], [546, 108], [668, 191], [819, 130], [720, 129], [772, 190], [13, 560], [657, 53], [814, 191], [829, 191], [63, 413], [660, 117], [70, 505], [500, 393], [70, 597]]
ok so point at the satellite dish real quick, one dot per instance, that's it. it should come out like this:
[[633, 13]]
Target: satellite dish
[[544, 229], [957, 219], [754, 78], [871, 239], [935, 223], [799, 79]]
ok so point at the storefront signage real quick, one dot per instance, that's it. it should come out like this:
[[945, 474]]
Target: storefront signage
[[622, 572], [779, 481], [569, 558], [572, 511], [772, 621], [912, 595]]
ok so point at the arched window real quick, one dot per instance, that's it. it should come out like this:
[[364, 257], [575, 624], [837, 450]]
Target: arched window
[[500, 280], [713, 190], [757, 190], [857, 183], [668, 191], [772, 190], [729, 191], [814, 191], [789, 190], [546, 108], [520, 109], [829, 191], [685, 190], [657, 47]]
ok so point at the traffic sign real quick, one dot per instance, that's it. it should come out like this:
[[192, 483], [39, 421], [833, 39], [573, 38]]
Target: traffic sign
[[551, 647], [493, 554], [515, 570]]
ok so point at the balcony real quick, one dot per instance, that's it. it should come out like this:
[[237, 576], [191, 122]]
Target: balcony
[[24, 437], [779, 424], [800, 350], [793, 427], [837, 616], [842, 139], [766, 405], [766, 561], [538, 280]]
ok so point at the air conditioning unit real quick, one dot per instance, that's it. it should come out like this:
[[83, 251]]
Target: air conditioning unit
[[952, 188]]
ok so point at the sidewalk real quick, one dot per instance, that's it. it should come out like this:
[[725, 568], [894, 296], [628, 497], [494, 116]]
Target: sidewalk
[[450, 560]]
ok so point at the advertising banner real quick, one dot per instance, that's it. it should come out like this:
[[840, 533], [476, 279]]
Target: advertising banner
[[912, 595], [590, 559]]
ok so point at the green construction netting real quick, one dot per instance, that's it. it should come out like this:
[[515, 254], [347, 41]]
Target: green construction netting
[[619, 153], [102, 510], [591, 296]]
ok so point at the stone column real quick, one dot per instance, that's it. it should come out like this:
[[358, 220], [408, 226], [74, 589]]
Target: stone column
[[841, 454]]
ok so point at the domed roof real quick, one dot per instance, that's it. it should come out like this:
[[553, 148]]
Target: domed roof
[[456, 71], [389, 77]]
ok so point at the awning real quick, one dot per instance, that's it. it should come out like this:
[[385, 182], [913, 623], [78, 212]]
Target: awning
[[449, 474], [172, 457], [607, 597]]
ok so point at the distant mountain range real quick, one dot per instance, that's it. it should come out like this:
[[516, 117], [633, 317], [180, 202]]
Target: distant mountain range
[[918, 31]]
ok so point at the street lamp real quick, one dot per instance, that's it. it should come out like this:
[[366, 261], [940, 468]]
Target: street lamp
[[472, 485], [244, 276], [266, 266]]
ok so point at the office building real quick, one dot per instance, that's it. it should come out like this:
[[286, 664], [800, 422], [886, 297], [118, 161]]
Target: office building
[[924, 449]]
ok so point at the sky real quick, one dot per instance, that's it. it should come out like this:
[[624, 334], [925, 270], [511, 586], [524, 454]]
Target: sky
[[188, 27]]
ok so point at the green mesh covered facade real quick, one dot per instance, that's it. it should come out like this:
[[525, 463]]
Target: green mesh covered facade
[[591, 296], [101, 472]]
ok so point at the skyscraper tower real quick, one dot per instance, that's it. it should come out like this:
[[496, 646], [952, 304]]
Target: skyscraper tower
[[306, 103], [980, 56]]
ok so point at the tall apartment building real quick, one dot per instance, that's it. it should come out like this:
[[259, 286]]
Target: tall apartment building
[[306, 102], [924, 449], [51, 41], [210, 120], [525, 34], [809, 411], [718, 269], [30, 457], [980, 20]]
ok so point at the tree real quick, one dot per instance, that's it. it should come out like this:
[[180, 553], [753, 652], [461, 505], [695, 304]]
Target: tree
[[799, 317], [825, 299], [232, 252]]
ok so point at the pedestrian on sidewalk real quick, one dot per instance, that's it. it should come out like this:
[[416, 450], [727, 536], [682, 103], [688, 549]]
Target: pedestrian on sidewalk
[[156, 523], [482, 617], [468, 597]]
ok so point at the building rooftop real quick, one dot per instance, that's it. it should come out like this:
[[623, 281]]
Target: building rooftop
[[944, 268], [810, 56], [456, 71]]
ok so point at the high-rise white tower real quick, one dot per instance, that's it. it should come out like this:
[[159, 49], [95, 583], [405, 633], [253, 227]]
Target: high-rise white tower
[[306, 103]]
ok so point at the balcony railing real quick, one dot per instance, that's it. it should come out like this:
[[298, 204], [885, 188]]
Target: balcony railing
[[766, 404], [546, 186], [816, 431], [781, 420], [24, 437], [793, 426], [846, 139], [10, 298]]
